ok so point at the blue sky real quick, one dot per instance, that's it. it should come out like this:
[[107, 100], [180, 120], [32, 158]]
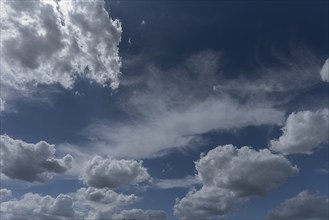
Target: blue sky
[[164, 110]]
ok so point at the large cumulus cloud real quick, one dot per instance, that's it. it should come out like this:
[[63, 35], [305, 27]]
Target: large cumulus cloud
[[230, 175], [303, 132], [31, 162], [47, 42], [112, 173]]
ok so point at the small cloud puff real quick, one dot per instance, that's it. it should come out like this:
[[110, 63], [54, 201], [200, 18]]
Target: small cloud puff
[[303, 132], [324, 73], [112, 173]]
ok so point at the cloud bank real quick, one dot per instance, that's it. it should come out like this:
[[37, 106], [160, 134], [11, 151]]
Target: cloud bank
[[230, 175], [303, 132], [31, 162]]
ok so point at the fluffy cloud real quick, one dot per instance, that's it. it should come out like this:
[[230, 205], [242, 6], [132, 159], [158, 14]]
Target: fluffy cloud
[[113, 173], [30, 162], [306, 205], [204, 203], [234, 169], [35, 206], [47, 42], [230, 175], [105, 196], [324, 73], [303, 132]]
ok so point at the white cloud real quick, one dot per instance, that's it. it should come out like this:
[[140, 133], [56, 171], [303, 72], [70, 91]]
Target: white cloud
[[35, 206], [306, 205], [186, 182], [230, 175], [169, 109], [178, 128], [31, 162], [105, 196], [2, 105], [234, 169], [303, 132], [324, 73], [204, 203], [141, 214], [113, 173], [85, 203], [48, 42]]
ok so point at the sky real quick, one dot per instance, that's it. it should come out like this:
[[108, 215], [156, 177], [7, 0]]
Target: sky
[[164, 109]]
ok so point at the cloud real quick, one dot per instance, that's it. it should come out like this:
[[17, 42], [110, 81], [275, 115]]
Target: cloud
[[306, 205], [230, 175], [324, 73], [186, 182], [303, 132], [35, 206], [171, 108], [177, 128], [54, 42], [113, 173], [5, 192], [31, 162], [142, 214], [204, 203], [105, 196]]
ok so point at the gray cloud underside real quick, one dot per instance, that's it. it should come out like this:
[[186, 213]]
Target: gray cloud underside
[[303, 132], [306, 205], [31, 162]]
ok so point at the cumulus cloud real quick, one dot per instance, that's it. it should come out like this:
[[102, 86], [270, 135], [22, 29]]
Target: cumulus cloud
[[48, 42], [303, 132], [31, 162], [306, 205], [204, 203], [105, 196], [113, 173], [324, 73], [35, 206], [230, 175]]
